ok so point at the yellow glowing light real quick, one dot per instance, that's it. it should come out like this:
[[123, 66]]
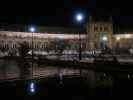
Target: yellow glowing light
[[127, 36], [118, 38], [105, 38]]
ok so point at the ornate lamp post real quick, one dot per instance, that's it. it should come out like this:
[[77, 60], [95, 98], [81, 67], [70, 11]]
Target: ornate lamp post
[[32, 30], [79, 18]]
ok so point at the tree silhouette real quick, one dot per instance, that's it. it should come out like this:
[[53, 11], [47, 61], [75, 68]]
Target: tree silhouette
[[12, 52], [23, 49], [3, 48], [60, 47]]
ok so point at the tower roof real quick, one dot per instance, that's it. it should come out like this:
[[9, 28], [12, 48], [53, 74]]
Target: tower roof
[[100, 18]]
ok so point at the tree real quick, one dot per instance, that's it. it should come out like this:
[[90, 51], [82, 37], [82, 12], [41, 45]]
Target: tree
[[4, 49], [12, 52], [60, 47], [57, 46], [51, 46], [23, 49]]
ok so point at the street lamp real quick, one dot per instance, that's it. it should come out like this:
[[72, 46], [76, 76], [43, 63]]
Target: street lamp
[[117, 47], [79, 18], [118, 38], [32, 30], [104, 38]]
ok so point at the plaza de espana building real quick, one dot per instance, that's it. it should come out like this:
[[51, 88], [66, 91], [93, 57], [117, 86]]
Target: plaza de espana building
[[96, 36]]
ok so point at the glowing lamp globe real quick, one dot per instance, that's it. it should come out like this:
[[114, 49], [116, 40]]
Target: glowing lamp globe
[[32, 29], [79, 17]]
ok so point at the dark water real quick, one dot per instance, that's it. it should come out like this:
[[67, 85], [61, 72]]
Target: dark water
[[11, 69], [8, 69], [70, 88], [89, 84]]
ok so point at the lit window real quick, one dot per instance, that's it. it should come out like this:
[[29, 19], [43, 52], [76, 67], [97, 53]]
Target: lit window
[[127, 35]]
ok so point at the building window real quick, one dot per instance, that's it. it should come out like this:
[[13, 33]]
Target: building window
[[105, 28], [101, 28], [12, 45], [41, 46], [6, 45], [36, 46], [95, 29]]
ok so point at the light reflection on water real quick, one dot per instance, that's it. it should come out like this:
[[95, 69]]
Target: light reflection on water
[[8, 69], [12, 69]]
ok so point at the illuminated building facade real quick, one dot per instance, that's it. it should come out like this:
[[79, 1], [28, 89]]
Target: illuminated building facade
[[42, 41], [123, 40], [98, 35]]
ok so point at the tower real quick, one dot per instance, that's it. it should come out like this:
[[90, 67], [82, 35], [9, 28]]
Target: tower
[[99, 34], [90, 36]]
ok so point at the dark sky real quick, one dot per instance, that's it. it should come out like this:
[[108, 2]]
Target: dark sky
[[61, 12]]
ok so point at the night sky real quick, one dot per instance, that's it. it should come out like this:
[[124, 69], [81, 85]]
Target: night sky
[[61, 12]]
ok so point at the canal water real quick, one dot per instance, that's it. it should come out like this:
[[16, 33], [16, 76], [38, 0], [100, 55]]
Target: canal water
[[10, 69], [62, 84]]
